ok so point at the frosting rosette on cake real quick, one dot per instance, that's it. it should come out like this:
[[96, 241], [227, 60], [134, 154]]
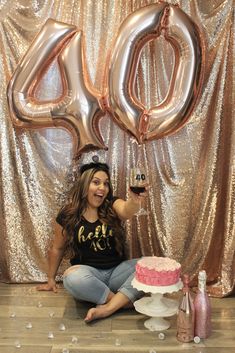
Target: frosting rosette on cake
[[157, 271]]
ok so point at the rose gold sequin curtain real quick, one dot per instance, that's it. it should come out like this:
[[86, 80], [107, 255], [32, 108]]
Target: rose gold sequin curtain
[[191, 173]]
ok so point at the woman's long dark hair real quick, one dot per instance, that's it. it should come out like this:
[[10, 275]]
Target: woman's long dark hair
[[70, 214]]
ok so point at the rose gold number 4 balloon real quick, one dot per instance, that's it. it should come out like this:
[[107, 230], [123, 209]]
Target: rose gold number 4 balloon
[[80, 108]]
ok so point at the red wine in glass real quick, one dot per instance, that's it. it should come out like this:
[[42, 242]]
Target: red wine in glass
[[137, 189]]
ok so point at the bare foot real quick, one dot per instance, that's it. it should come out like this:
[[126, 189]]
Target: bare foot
[[118, 301], [99, 312]]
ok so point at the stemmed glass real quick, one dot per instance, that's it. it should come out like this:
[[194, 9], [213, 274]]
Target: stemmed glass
[[138, 182]]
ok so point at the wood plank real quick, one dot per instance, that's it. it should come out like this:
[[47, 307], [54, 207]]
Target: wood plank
[[26, 349]]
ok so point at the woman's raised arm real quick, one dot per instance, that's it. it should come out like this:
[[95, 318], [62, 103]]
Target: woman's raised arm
[[126, 209]]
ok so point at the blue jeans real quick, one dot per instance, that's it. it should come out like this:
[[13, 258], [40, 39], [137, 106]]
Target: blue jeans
[[94, 285]]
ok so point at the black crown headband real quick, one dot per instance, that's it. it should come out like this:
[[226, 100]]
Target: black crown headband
[[94, 165]]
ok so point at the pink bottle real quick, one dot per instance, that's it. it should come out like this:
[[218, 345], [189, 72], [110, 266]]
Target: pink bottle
[[185, 318], [202, 308]]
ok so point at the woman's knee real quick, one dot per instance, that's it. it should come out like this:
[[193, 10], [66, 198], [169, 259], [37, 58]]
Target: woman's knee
[[78, 279], [76, 282], [70, 270], [83, 285], [128, 266], [132, 262], [74, 276], [69, 278]]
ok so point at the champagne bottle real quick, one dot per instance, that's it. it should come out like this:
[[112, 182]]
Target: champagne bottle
[[185, 318], [202, 308]]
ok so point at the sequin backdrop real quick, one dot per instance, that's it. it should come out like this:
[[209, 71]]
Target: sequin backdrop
[[191, 173]]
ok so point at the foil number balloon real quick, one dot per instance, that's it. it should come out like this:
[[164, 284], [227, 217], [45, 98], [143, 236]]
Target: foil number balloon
[[140, 27], [80, 108]]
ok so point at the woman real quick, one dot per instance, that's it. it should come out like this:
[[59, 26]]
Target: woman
[[89, 230]]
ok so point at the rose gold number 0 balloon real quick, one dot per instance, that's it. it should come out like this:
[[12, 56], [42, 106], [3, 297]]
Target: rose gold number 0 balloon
[[183, 35]]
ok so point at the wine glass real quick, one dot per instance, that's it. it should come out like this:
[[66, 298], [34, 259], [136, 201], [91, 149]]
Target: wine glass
[[138, 182]]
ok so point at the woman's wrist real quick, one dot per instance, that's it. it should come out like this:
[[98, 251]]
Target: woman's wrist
[[133, 205]]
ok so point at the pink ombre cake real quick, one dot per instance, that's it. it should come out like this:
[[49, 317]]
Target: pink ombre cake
[[157, 271]]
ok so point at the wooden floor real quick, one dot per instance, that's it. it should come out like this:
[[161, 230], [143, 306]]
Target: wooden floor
[[28, 318]]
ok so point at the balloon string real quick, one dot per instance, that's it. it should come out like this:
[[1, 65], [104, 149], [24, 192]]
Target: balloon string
[[165, 18], [144, 122], [104, 103]]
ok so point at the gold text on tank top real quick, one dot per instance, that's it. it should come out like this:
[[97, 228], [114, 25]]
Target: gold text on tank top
[[99, 239]]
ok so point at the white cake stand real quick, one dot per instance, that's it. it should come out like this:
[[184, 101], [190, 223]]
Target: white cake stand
[[156, 305]]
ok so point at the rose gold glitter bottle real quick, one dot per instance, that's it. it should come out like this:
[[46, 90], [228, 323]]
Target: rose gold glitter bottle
[[202, 308], [185, 318]]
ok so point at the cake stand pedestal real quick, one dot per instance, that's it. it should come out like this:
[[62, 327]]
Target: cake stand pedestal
[[156, 305]]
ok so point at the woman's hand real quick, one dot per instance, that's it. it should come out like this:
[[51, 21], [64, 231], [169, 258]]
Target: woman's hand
[[126, 209], [49, 286]]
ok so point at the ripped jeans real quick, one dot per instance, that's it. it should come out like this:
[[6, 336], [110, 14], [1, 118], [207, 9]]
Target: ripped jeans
[[90, 284]]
